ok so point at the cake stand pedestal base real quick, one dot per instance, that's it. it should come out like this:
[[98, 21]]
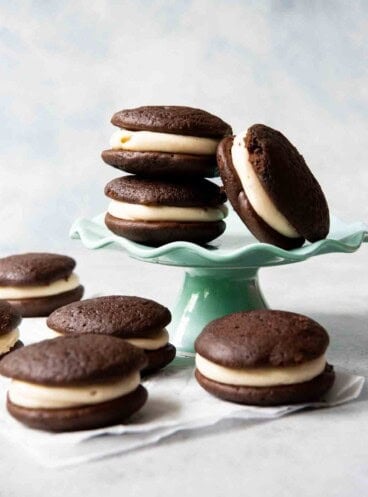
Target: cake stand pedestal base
[[219, 279], [210, 293]]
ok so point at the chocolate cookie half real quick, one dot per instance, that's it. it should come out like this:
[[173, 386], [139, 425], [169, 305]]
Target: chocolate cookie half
[[74, 383], [264, 358], [155, 212], [37, 283], [9, 333], [166, 141], [272, 189], [138, 321]]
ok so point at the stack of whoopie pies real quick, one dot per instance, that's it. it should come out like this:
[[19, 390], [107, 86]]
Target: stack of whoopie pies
[[170, 150]]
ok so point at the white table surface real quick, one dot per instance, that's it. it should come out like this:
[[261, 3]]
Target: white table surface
[[316, 453]]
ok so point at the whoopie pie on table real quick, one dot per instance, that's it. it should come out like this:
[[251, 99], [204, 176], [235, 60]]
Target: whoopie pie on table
[[37, 283], [9, 333], [158, 211], [166, 141], [271, 188], [264, 358], [138, 321], [74, 383]]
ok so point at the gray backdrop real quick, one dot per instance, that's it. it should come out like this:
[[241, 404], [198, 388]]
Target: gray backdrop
[[67, 66]]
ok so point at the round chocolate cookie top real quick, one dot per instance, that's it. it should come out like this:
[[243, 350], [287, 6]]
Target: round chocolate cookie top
[[136, 190], [173, 119], [9, 317], [262, 338], [121, 316], [73, 360], [288, 181], [34, 269]]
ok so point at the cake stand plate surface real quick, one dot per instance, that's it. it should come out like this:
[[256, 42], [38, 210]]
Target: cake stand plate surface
[[220, 278]]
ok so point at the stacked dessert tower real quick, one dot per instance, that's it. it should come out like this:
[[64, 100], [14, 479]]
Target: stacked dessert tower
[[89, 376], [169, 150]]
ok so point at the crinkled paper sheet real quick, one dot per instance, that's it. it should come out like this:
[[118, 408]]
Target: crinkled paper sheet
[[176, 403]]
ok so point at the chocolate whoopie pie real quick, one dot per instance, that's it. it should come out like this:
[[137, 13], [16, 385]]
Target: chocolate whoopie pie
[[155, 211], [166, 141], [264, 358], [9, 333], [138, 321], [37, 283], [272, 189], [74, 383]]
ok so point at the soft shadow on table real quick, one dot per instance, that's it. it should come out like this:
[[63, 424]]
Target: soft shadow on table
[[348, 340], [154, 409], [151, 412], [363, 397], [348, 343], [184, 434]]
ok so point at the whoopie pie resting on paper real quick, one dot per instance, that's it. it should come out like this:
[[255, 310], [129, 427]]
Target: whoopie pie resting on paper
[[9, 333], [74, 383], [158, 211], [264, 358], [138, 321], [166, 141], [272, 189], [37, 283]]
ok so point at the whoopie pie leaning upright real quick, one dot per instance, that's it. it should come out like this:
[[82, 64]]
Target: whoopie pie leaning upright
[[272, 189]]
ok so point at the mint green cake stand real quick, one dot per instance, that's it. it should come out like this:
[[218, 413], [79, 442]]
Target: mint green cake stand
[[221, 278]]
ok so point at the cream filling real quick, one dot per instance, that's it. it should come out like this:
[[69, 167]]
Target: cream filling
[[149, 141], [140, 212], [160, 339], [55, 334], [28, 292], [263, 376], [255, 192], [35, 396], [8, 340], [153, 343]]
